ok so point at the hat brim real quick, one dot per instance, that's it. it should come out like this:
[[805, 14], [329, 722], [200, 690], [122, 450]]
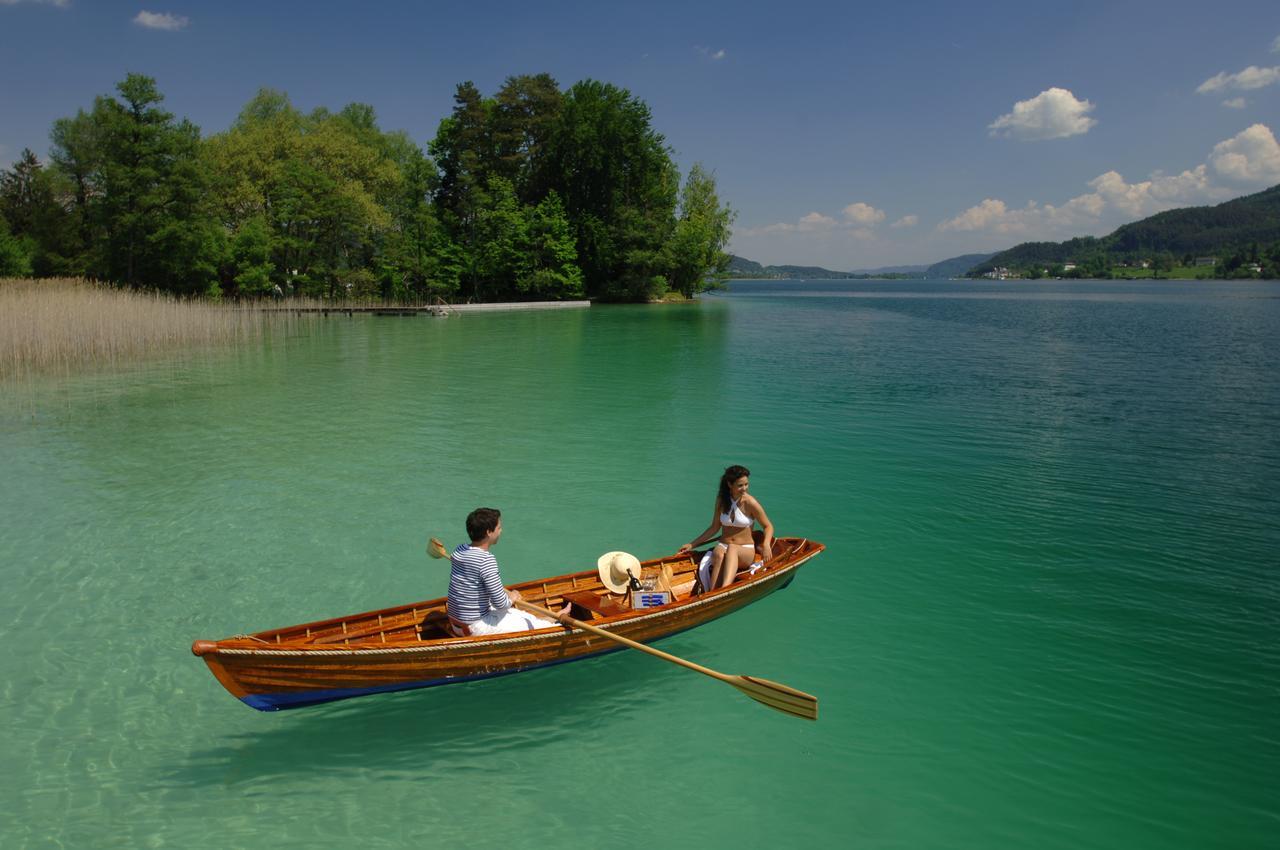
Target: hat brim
[[613, 567]]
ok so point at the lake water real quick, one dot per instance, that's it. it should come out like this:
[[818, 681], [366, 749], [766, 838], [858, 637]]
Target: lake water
[[1048, 615]]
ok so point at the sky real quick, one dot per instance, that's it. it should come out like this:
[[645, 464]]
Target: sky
[[843, 135]]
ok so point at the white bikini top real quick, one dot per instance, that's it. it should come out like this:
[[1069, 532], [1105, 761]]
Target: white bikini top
[[735, 518]]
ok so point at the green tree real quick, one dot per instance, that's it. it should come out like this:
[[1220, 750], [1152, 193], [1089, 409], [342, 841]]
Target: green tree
[[618, 184], [15, 253], [696, 255], [524, 117], [251, 257], [322, 183], [30, 199], [548, 265], [501, 234], [76, 153], [150, 184]]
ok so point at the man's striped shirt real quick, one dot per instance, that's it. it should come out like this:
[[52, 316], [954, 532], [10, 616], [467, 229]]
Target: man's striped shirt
[[475, 587]]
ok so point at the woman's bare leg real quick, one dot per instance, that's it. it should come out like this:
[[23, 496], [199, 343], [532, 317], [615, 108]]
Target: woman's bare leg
[[717, 563], [733, 560]]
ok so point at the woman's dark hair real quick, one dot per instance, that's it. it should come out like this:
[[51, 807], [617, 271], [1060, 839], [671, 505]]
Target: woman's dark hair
[[481, 521], [731, 475]]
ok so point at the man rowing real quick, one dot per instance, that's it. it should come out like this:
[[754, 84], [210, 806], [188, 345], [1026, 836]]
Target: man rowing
[[478, 602]]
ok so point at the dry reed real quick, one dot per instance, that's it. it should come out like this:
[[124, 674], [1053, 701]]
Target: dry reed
[[63, 324]]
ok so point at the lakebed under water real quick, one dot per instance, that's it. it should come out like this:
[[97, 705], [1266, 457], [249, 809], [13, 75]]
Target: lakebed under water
[[1047, 615]]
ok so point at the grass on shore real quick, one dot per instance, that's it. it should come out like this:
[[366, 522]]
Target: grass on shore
[[63, 324]]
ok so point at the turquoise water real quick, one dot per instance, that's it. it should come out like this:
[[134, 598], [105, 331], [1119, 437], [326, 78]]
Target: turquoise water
[[1047, 617]]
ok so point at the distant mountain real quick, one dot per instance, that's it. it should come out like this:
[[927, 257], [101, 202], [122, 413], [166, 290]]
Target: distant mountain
[[740, 267], [1244, 224], [914, 271], [956, 266]]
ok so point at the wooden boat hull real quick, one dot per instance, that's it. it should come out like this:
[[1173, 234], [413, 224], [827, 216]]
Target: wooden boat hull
[[318, 662]]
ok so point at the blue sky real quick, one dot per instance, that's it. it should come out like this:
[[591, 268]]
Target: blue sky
[[844, 135]]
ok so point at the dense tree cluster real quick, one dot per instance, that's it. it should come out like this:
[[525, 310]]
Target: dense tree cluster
[[534, 193]]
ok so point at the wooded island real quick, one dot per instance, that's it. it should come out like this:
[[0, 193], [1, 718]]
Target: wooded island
[[531, 194]]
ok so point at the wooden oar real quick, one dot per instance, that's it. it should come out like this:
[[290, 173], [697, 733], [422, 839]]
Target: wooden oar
[[776, 696]]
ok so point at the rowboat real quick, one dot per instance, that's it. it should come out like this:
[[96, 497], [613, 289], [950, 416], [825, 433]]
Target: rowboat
[[411, 646]]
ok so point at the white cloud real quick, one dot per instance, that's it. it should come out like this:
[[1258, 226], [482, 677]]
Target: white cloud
[[719, 54], [815, 221], [1250, 78], [713, 55], [1161, 192], [907, 221], [987, 214], [817, 224], [1235, 103], [864, 214], [1275, 45], [1112, 197], [161, 21], [1053, 114], [1251, 156]]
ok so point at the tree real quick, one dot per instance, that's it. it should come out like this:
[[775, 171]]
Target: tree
[[501, 235], [548, 267], [251, 257], [321, 183], [618, 184], [150, 184], [15, 253], [76, 154], [696, 255], [29, 201], [524, 116], [136, 189]]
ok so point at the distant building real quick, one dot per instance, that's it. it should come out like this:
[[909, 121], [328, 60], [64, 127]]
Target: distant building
[[1068, 266], [1146, 264], [1254, 267], [1206, 261]]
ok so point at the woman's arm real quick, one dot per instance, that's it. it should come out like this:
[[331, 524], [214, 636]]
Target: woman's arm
[[757, 513], [709, 533]]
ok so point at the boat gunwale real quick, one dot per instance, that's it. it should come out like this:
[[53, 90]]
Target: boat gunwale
[[298, 648]]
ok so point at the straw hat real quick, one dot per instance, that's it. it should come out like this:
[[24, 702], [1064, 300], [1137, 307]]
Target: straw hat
[[613, 568]]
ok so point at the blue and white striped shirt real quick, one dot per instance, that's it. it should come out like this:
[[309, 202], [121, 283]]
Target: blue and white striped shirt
[[475, 587]]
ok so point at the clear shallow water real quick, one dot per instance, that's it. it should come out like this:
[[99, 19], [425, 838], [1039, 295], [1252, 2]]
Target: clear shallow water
[[1048, 615]]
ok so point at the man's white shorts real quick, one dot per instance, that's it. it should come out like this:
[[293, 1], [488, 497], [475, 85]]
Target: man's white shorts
[[510, 620]]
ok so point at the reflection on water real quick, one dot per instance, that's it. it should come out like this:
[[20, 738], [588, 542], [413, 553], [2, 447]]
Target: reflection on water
[[450, 730]]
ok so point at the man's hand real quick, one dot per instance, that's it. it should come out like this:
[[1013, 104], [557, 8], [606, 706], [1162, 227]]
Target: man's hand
[[514, 596], [685, 548]]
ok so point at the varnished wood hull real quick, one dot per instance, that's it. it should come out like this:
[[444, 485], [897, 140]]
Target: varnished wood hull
[[317, 663]]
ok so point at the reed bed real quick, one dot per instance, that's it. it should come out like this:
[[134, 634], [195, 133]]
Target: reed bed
[[65, 324]]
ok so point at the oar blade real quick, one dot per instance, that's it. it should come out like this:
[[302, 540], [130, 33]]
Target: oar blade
[[778, 697]]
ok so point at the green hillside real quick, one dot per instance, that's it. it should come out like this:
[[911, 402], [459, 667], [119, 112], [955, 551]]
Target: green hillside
[[955, 266], [1238, 235]]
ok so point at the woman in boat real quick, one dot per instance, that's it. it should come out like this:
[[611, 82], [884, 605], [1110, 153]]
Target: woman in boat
[[735, 514]]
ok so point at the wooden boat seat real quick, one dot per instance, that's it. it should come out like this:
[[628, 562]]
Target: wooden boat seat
[[605, 606], [434, 626]]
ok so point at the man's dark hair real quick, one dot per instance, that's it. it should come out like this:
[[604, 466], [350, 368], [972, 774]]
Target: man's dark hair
[[481, 521]]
